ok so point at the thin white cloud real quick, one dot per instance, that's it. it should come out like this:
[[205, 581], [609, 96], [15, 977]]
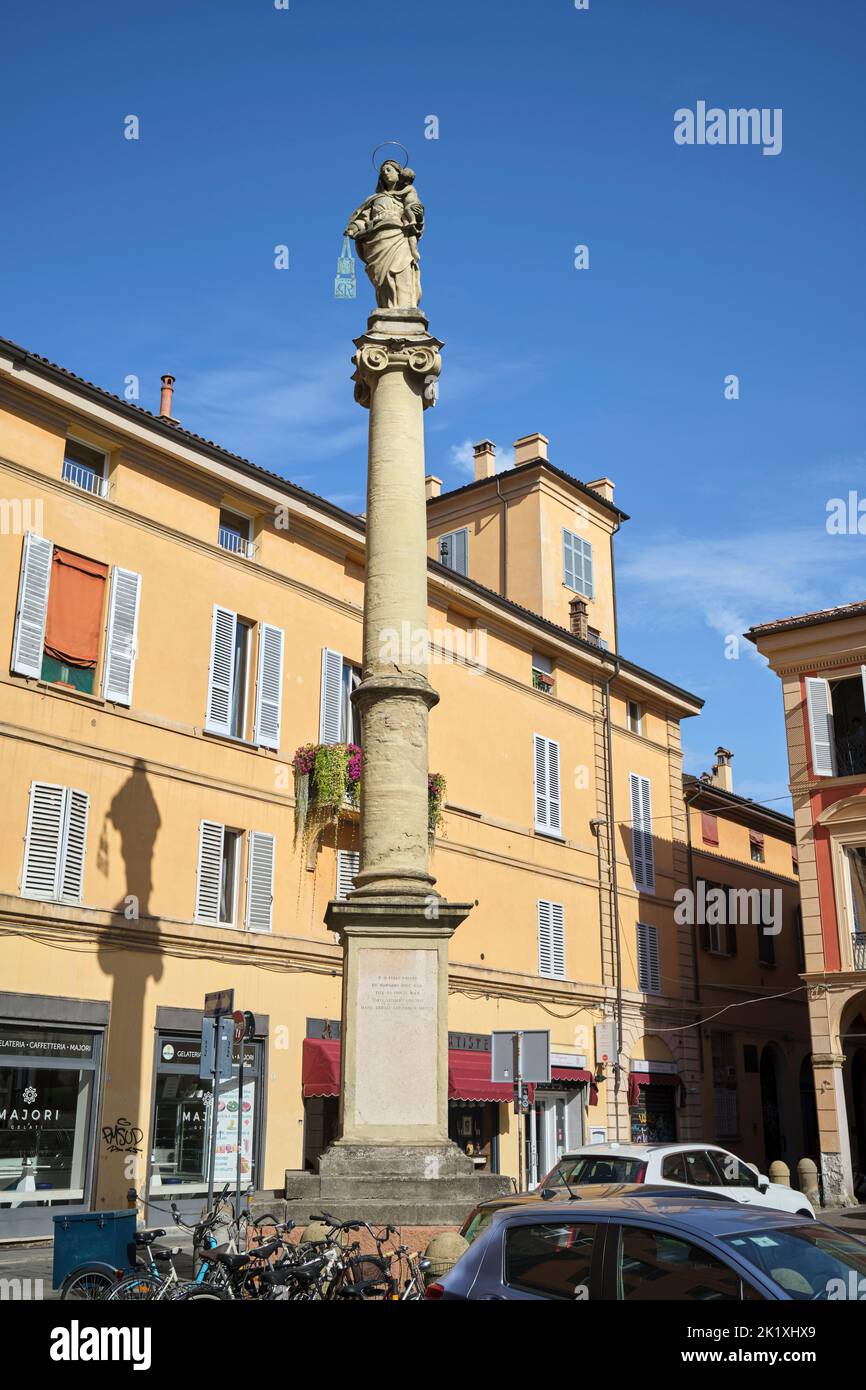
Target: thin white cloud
[[462, 458], [728, 583]]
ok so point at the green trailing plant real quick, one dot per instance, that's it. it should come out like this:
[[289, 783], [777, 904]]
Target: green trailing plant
[[328, 783]]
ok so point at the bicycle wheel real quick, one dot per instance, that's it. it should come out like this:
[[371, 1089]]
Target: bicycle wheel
[[86, 1287], [201, 1293], [135, 1288]]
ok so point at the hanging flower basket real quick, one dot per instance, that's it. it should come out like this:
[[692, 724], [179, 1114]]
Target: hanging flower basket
[[328, 784]]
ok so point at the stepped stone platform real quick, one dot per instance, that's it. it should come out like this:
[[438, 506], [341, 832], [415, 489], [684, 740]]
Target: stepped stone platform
[[433, 1187]]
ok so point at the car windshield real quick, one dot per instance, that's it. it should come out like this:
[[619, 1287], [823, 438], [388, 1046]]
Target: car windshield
[[602, 1168], [809, 1261]]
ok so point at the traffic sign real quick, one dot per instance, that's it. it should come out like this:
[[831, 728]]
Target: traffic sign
[[240, 1023], [221, 1002]]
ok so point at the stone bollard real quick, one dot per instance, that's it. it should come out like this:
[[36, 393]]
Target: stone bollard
[[807, 1176], [780, 1173], [443, 1252]]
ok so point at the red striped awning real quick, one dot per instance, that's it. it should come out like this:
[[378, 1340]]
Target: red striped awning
[[468, 1073], [576, 1076]]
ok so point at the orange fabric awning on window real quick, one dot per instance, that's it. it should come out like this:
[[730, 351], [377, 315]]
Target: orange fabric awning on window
[[76, 600]]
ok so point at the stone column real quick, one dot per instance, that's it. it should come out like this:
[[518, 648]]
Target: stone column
[[837, 1177], [394, 927]]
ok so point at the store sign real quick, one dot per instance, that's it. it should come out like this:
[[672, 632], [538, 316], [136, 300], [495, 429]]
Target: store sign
[[44, 1042], [185, 1053], [469, 1042], [25, 1113]]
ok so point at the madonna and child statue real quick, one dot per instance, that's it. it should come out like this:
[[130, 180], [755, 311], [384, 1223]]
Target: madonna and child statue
[[386, 229]]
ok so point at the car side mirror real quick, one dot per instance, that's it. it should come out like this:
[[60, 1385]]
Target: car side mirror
[[763, 1183], [547, 1193]]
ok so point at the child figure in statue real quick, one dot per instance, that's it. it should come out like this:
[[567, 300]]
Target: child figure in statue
[[386, 229]]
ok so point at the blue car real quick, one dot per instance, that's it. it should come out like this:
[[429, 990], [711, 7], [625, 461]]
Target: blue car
[[655, 1247]]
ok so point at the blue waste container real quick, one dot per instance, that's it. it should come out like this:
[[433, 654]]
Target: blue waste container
[[87, 1237]]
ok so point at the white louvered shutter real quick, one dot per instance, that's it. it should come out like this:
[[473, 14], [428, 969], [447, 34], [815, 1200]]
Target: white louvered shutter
[[648, 972], [32, 610], [548, 810], [331, 701], [220, 688], [348, 864], [260, 880], [461, 551], [43, 842], [121, 636], [269, 686], [819, 708], [210, 860], [551, 940], [643, 865], [545, 945], [77, 807]]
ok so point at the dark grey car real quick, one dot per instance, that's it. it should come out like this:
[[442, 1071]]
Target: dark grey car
[[654, 1247]]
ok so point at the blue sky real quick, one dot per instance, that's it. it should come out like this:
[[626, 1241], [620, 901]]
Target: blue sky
[[555, 128]]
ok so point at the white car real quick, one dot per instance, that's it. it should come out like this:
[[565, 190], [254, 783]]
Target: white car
[[675, 1165]]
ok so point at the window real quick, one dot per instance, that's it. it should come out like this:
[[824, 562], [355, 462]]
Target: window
[[674, 1168], [577, 563], [219, 876], [55, 843], [854, 858], [348, 864], [634, 713], [234, 533], [542, 673], [643, 865], [454, 550], [648, 972], [653, 1265], [228, 679], [59, 620], [734, 1173], [552, 1259], [709, 828], [339, 719], [84, 467], [598, 1168], [809, 1260], [701, 1170], [724, 1055], [756, 845], [766, 944], [551, 940], [718, 925], [548, 810], [836, 718]]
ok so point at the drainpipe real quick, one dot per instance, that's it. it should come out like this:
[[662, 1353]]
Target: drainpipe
[[504, 538], [613, 586], [611, 849], [695, 954]]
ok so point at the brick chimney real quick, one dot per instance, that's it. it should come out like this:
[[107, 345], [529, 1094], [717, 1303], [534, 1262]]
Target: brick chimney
[[432, 486], [165, 399], [604, 487], [723, 773], [530, 448], [485, 459], [578, 617]]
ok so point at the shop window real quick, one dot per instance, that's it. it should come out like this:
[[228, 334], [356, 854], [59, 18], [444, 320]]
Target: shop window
[[47, 1105]]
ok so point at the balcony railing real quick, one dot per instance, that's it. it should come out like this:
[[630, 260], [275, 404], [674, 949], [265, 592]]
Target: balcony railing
[[850, 756], [858, 949], [541, 681], [235, 542], [79, 475]]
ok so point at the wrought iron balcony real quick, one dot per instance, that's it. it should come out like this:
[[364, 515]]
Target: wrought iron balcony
[[87, 479], [850, 756], [858, 949]]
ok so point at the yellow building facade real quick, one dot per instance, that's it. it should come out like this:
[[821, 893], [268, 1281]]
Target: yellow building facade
[[176, 623]]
